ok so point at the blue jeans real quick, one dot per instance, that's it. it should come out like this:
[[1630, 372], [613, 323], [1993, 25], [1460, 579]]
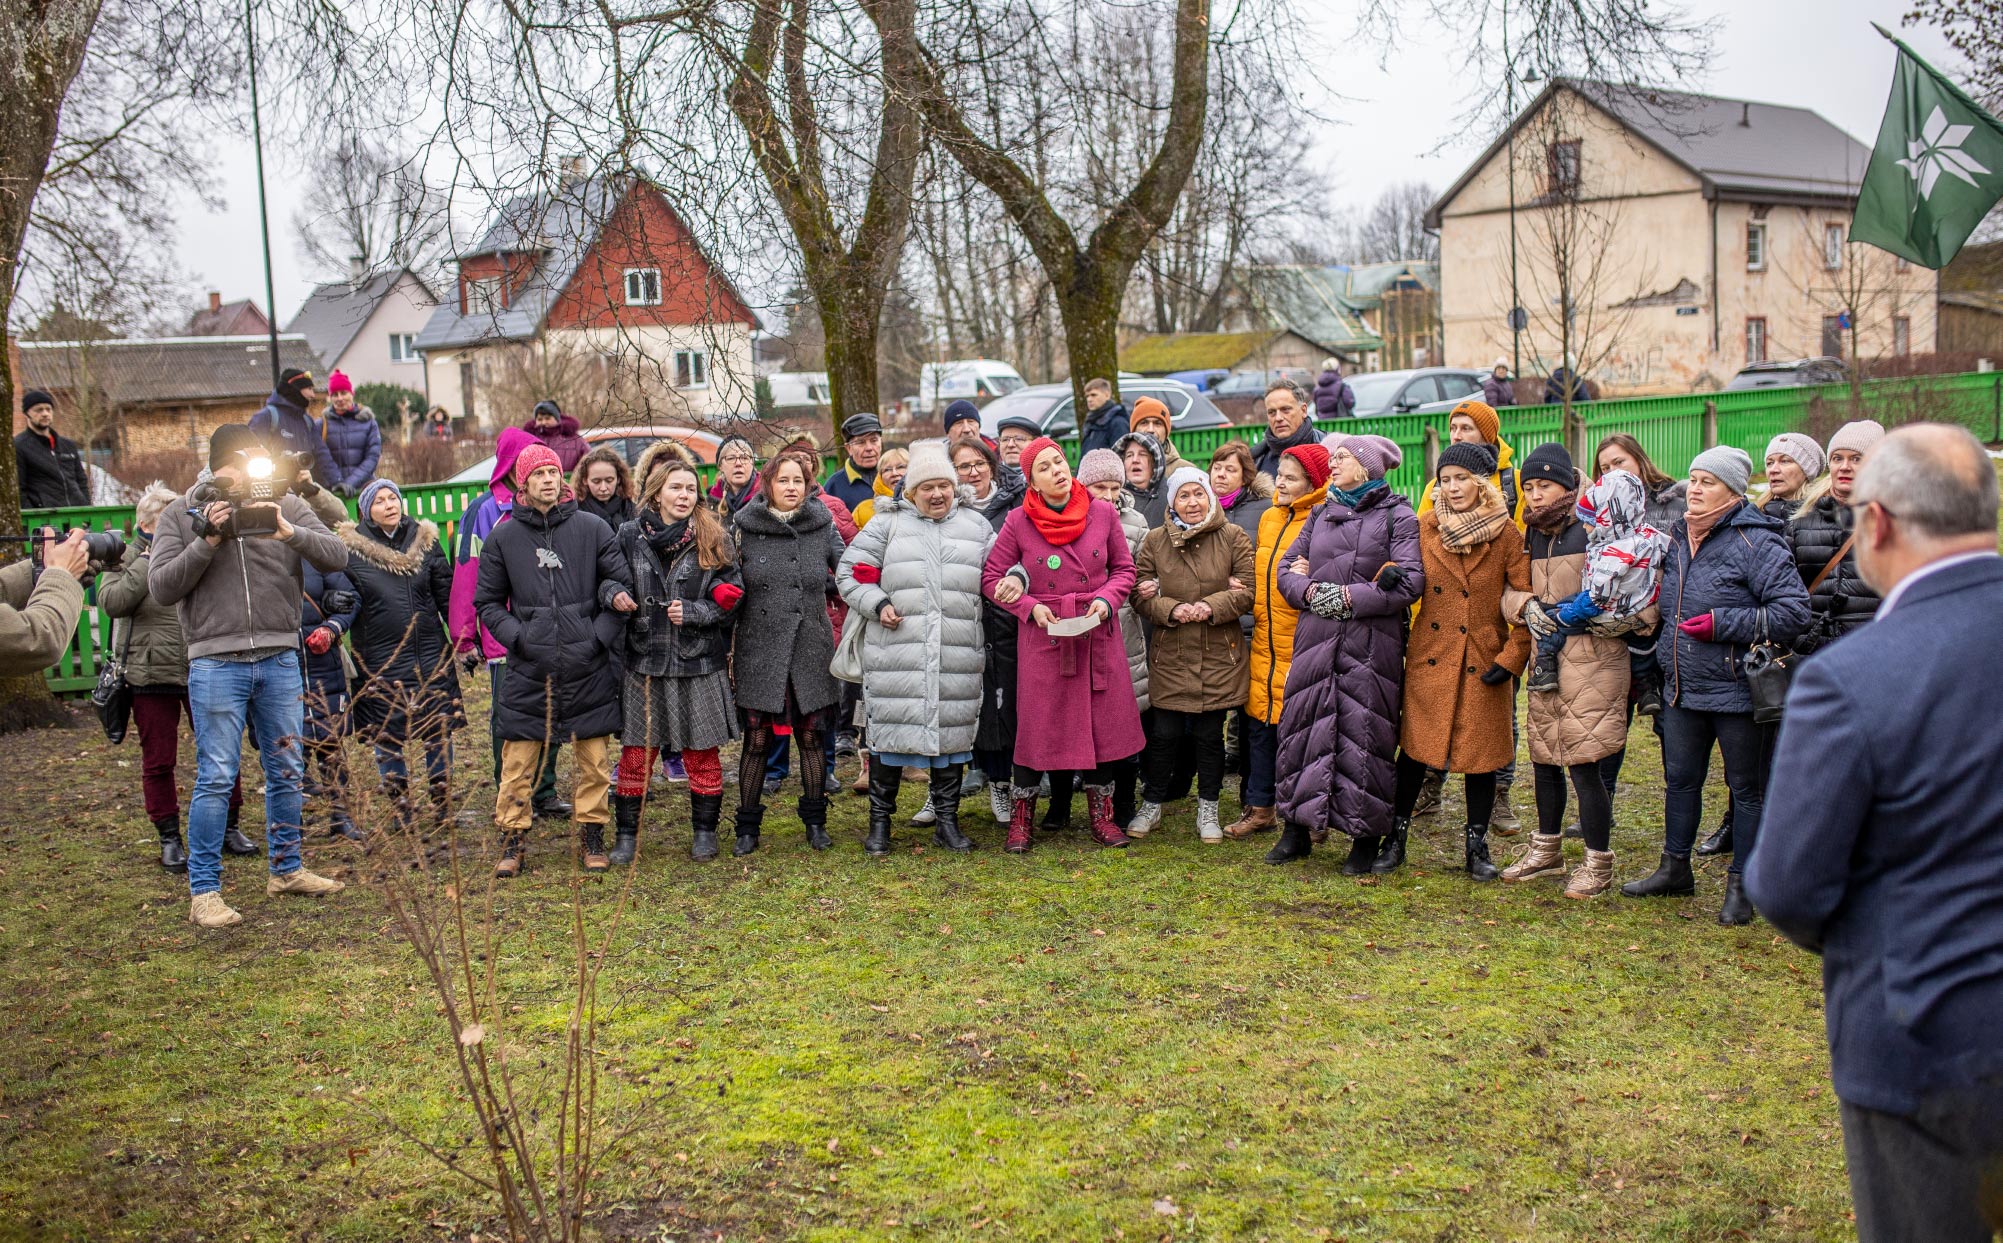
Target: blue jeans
[[1262, 744], [1687, 738], [224, 696]]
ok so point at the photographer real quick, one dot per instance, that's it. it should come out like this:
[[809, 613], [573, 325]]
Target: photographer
[[232, 566], [39, 611], [286, 425]]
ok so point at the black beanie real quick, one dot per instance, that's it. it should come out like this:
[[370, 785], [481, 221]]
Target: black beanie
[[293, 382], [961, 409], [1476, 459], [1550, 462], [230, 439], [35, 397]]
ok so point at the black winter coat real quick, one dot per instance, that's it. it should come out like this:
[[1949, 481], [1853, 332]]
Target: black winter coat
[[405, 581], [996, 731], [655, 646], [1843, 601], [51, 475], [1742, 577], [615, 513], [544, 592], [783, 638], [325, 674]]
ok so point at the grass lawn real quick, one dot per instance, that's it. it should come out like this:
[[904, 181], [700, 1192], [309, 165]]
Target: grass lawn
[[1173, 1041]]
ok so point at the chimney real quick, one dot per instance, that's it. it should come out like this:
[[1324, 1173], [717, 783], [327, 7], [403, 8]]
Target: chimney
[[215, 300], [358, 269], [1746, 115]]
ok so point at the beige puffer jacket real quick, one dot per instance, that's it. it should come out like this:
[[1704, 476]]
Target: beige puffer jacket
[[1135, 525]]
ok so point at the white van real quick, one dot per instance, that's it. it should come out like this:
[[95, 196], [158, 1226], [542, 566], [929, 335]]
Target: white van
[[975, 379], [799, 388]]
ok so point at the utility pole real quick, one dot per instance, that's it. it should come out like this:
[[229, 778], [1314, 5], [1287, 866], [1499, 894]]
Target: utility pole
[[1515, 301], [263, 215]]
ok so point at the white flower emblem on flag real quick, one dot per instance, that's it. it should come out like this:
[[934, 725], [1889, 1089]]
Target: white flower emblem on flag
[[1940, 152]]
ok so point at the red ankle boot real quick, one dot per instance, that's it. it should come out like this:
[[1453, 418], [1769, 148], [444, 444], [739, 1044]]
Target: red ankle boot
[[1022, 822], [1099, 801]]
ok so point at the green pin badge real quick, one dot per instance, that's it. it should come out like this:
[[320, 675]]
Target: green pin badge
[[1054, 561]]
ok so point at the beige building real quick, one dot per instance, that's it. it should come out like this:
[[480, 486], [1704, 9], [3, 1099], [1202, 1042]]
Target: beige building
[[1663, 241], [366, 327]]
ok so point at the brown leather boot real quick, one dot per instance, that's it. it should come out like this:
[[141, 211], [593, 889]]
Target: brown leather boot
[[1546, 857], [591, 843], [511, 856], [1593, 877], [1255, 820]]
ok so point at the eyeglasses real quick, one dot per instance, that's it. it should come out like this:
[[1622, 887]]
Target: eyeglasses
[[735, 457]]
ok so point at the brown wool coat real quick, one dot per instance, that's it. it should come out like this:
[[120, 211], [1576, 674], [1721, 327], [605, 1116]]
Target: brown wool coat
[[1586, 720], [1198, 666], [1452, 720]]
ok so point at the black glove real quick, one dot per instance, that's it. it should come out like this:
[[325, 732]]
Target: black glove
[[1495, 676], [338, 601], [470, 660], [1391, 577]]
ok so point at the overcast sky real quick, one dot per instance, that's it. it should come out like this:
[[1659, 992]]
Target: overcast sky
[[1393, 122]]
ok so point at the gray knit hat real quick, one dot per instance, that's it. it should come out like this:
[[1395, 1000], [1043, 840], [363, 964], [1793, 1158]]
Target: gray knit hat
[[1731, 466], [1802, 449]]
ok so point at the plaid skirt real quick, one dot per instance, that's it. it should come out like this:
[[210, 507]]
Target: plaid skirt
[[679, 714]]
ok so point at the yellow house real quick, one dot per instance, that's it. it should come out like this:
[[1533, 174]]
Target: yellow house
[[1661, 241]]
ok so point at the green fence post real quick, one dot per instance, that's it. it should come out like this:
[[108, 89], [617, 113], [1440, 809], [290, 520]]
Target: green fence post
[[1432, 450]]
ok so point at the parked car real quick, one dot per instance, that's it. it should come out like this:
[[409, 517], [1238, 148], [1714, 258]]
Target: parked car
[[1412, 391], [1255, 383], [1055, 409], [974, 379], [1201, 381], [1786, 375], [630, 441]]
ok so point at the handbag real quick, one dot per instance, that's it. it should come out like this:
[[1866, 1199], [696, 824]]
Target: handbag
[[112, 696], [1769, 668], [847, 663]]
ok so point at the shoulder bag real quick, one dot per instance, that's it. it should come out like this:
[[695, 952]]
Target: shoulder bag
[[1769, 666], [112, 696]]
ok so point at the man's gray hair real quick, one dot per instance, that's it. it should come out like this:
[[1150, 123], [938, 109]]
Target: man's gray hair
[[152, 503], [1936, 478], [1288, 386]]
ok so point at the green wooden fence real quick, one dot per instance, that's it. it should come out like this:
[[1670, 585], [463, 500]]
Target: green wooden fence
[[1672, 429]]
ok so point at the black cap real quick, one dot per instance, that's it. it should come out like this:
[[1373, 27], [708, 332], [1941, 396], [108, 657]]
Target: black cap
[[864, 424], [961, 409], [229, 440], [1021, 422], [547, 407], [1476, 459], [35, 397], [1550, 462]]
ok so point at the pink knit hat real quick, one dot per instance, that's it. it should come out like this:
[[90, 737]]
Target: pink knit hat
[[534, 458], [339, 383], [1378, 454], [1100, 466]]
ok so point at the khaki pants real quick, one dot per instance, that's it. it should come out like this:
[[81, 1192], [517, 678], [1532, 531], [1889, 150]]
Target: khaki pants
[[521, 764]]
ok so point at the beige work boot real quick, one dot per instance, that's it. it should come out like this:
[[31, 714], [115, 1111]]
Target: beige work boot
[[1502, 821], [1255, 820], [1593, 877], [302, 882], [1545, 858], [208, 910]]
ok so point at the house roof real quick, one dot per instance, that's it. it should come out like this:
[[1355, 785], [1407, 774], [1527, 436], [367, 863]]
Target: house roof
[[242, 316], [1989, 302], [1194, 351], [163, 370], [1739, 148], [1366, 283], [335, 312], [1313, 301]]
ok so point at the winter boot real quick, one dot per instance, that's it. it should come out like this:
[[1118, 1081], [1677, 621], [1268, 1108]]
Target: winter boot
[[973, 783], [1255, 820], [1391, 855], [1648, 694], [1671, 879], [1429, 794], [1502, 819], [1022, 820], [1147, 817], [1543, 674], [513, 856], [704, 811], [235, 840], [1545, 858], [946, 788], [1207, 827], [927, 815], [173, 855], [626, 821], [1293, 844], [1720, 842], [863, 769], [1479, 865], [1058, 814], [749, 817], [591, 845], [1593, 877], [1001, 801], [1363, 853], [813, 810], [1738, 908], [1099, 804], [884, 780]]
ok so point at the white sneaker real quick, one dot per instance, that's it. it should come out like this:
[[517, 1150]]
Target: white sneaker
[[1001, 801], [1207, 827], [925, 814], [210, 911], [1146, 817]]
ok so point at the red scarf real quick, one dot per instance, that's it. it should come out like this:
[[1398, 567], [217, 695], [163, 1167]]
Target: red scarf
[[1059, 526]]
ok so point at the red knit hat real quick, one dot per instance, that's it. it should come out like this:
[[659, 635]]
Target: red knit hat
[[339, 383], [534, 458], [1313, 460], [1033, 449]]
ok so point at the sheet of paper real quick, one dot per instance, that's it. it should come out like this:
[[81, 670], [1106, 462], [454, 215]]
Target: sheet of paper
[[1066, 627]]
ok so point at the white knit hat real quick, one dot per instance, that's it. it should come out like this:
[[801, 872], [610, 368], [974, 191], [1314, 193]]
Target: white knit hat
[[1862, 436], [929, 461], [1803, 450]]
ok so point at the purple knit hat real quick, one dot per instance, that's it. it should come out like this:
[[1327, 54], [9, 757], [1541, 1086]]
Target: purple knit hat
[[1100, 466], [1378, 454]]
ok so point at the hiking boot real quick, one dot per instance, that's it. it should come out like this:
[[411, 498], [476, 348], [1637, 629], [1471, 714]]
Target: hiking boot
[[1147, 817], [1254, 820], [550, 809], [946, 788], [1362, 855], [1738, 909], [1671, 879], [884, 780], [927, 815], [814, 815], [1001, 801], [591, 845], [1479, 866], [1099, 803], [302, 882], [1293, 844], [1207, 828], [513, 857], [1429, 794], [1593, 877], [208, 910], [173, 855], [749, 818], [1391, 855], [1502, 819], [1648, 695], [1543, 674], [1022, 820], [704, 811], [626, 829], [1546, 857]]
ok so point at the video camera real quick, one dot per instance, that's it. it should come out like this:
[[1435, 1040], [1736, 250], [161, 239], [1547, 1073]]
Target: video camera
[[253, 502], [106, 548]]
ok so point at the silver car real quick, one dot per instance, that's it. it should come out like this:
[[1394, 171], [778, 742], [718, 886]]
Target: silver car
[[1054, 409]]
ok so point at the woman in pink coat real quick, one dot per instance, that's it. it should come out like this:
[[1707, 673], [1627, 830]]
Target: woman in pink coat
[[1075, 707]]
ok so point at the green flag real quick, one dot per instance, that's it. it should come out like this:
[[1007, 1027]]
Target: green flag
[[1936, 171]]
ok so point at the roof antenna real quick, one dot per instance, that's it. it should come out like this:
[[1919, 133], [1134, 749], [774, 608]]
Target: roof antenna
[[1746, 114]]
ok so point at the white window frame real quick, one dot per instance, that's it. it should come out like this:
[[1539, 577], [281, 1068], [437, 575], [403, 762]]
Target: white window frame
[[636, 281], [1902, 335], [1756, 245], [1756, 325], [691, 369], [1832, 247], [403, 347], [484, 295]]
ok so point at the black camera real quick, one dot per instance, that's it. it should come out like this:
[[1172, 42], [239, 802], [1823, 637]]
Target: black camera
[[106, 549], [254, 501]]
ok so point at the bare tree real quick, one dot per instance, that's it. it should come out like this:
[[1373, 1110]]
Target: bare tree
[[1395, 226], [1974, 28], [376, 209], [1860, 297]]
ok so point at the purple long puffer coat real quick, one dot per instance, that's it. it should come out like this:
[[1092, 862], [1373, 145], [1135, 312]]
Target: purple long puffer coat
[[1339, 725]]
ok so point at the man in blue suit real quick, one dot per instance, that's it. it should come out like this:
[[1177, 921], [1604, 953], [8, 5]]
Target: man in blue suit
[[1882, 846]]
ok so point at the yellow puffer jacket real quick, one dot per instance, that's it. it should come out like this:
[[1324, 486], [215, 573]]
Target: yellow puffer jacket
[[1505, 482], [1272, 617], [867, 510]]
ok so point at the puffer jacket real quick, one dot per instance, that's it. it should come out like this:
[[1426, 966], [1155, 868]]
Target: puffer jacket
[[285, 427], [700, 645], [1339, 727], [783, 639], [1667, 503], [1273, 619], [1332, 396], [1586, 720], [325, 672], [399, 643], [564, 440], [1842, 601], [1102, 428], [159, 657], [1498, 393], [544, 592], [997, 731], [1248, 506], [1132, 628], [1198, 666], [921, 682], [1149, 500], [355, 443], [1743, 575]]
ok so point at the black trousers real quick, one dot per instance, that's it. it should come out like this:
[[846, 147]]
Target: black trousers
[[1936, 1177], [1169, 733]]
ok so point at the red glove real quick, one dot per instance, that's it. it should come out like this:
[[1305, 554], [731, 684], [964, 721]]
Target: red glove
[[726, 595], [320, 640], [863, 572], [1700, 627]]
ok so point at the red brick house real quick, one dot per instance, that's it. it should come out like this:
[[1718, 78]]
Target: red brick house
[[598, 295]]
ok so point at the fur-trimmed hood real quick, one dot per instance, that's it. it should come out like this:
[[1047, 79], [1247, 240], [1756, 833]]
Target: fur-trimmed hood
[[406, 561]]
